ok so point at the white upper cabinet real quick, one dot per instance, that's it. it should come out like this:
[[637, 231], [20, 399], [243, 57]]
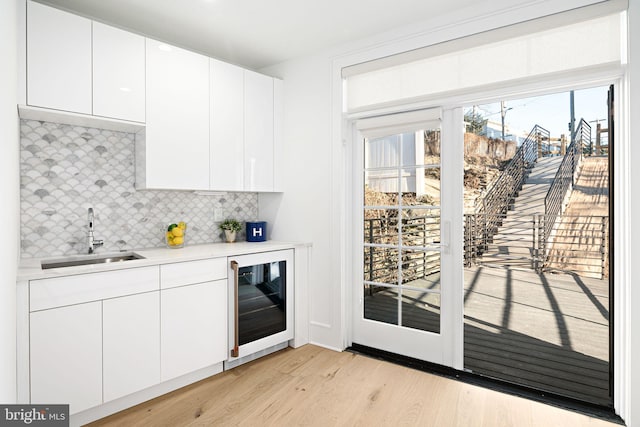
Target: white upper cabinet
[[79, 66], [278, 133], [258, 132], [118, 73], [58, 59], [246, 114], [207, 124], [176, 152], [227, 127]]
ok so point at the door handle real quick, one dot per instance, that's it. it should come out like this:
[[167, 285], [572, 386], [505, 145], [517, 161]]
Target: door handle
[[445, 240], [235, 352]]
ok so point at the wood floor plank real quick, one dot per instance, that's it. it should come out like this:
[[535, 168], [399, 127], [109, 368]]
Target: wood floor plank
[[313, 386]]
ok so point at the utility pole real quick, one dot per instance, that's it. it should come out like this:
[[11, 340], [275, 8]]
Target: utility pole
[[503, 112], [572, 111], [599, 131]]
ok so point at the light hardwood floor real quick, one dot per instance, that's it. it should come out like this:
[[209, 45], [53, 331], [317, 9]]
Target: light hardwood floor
[[312, 386]]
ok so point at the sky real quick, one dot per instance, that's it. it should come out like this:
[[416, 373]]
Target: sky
[[552, 112]]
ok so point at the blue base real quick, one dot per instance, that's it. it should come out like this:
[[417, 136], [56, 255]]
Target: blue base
[[256, 231]]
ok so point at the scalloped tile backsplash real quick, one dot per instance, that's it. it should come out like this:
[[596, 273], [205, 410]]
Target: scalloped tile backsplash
[[66, 169]]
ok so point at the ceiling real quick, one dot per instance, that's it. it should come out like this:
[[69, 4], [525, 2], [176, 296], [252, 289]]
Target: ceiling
[[258, 33]]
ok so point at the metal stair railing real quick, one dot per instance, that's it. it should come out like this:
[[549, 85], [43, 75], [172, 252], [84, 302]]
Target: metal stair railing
[[580, 245], [563, 181], [500, 195], [381, 261]]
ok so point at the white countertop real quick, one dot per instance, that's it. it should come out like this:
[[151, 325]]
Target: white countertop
[[30, 268]]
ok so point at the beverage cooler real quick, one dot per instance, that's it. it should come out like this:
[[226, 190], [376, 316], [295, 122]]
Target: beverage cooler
[[261, 304]]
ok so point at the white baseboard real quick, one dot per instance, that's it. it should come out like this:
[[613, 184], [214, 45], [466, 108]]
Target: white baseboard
[[126, 402]]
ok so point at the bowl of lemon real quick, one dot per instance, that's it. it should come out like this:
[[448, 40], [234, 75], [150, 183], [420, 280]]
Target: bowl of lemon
[[176, 234]]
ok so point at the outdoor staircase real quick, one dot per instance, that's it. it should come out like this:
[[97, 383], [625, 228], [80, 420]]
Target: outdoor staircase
[[581, 237], [513, 243], [524, 220]]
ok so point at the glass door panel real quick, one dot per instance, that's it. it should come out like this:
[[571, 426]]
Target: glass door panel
[[402, 221], [403, 286]]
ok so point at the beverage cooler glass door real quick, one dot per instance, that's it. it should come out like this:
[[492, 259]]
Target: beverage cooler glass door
[[261, 303]]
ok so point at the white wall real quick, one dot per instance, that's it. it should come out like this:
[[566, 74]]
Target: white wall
[[9, 197], [634, 213], [312, 205], [306, 211]]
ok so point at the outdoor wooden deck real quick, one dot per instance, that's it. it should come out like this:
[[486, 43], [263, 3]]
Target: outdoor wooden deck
[[547, 331]]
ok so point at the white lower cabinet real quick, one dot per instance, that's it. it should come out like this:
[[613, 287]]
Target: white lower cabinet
[[94, 337], [66, 356], [194, 327], [131, 344], [98, 337]]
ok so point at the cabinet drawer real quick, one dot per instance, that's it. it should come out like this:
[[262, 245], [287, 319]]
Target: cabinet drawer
[[68, 290], [190, 272]]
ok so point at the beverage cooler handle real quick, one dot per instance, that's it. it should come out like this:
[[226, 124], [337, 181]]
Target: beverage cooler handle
[[235, 352]]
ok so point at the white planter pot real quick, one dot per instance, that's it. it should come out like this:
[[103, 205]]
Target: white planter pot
[[230, 236]]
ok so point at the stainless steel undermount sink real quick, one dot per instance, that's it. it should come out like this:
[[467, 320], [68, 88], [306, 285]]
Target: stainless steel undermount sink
[[74, 261]]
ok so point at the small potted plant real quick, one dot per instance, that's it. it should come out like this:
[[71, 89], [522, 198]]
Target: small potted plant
[[230, 227]]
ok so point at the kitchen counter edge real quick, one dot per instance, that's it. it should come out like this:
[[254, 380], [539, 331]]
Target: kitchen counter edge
[[30, 268]]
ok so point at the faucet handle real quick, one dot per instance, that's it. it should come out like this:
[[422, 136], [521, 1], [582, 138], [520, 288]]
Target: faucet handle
[[93, 243]]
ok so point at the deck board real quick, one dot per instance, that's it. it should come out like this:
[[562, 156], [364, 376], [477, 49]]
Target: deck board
[[546, 331]]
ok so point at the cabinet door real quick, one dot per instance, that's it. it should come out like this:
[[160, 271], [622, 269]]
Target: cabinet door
[[118, 73], [278, 133], [193, 327], [131, 344], [258, 132], [58, 59], [66, 356], [227, 127], [177, 131]]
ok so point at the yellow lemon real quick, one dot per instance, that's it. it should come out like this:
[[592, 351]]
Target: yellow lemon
[[182, 225], [178, 240], [177, 232]]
